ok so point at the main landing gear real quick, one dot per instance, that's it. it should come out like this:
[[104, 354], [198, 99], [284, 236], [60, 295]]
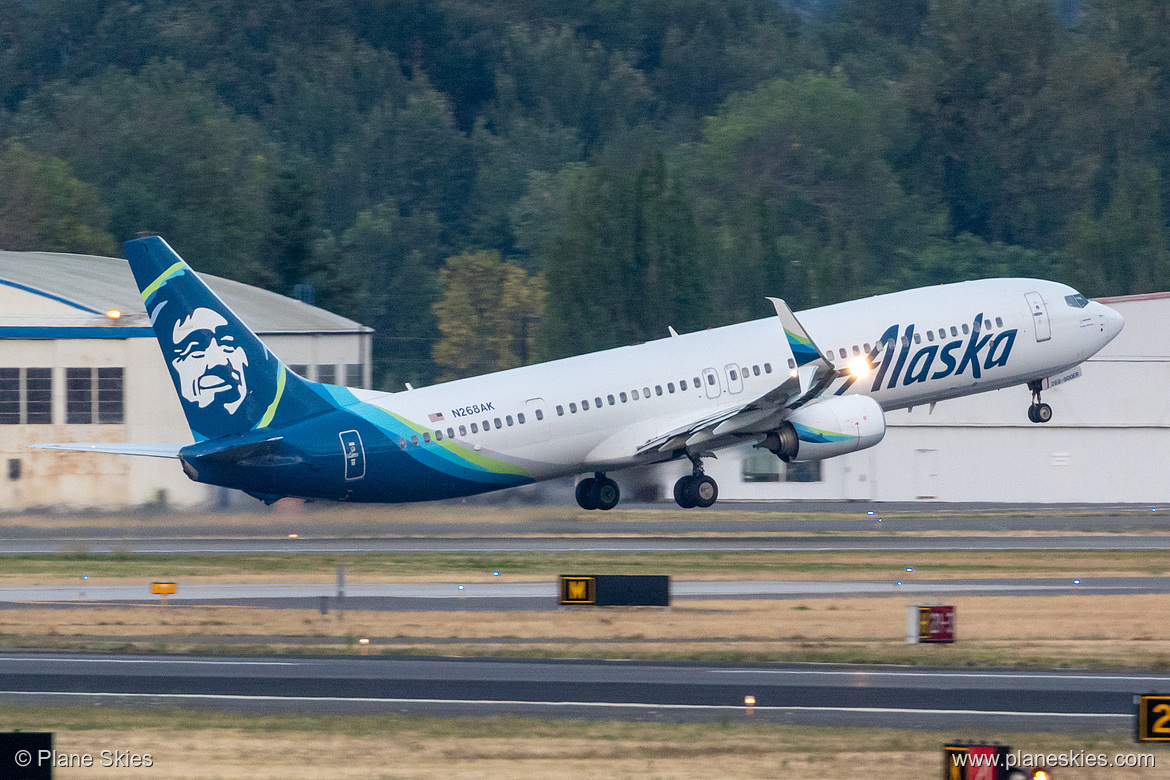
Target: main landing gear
[[696, 490], [598, 492], [1038, 412]]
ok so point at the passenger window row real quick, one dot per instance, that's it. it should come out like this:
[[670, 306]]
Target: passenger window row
[[596, 402], [635, 395]]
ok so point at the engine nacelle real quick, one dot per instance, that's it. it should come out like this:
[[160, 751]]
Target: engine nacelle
[[828, 428]]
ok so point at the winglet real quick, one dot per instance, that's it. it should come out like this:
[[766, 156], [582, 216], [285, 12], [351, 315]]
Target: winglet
[[804, 351]]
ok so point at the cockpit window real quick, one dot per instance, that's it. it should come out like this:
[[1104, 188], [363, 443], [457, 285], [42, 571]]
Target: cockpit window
[[1077, 301]]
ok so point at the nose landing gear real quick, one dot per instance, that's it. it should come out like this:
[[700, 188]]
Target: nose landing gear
[[696, 490], [598, 492], [1038, 412]]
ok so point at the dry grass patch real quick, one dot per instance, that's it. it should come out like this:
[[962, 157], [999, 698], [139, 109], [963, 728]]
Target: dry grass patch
[[1049, 630]]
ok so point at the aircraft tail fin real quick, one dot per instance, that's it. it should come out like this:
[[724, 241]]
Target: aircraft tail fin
[[227, 379]]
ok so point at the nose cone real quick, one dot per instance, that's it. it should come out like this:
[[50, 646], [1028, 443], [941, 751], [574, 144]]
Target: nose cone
[[1111, 322]]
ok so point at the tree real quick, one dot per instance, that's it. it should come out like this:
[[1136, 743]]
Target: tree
[[627, 264], [1124, 250], [43, 207], [487, 314]]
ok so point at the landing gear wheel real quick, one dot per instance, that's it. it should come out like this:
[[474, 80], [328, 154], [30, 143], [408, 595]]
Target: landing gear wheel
[[604, 493], [584, 493], [683, 495], [704, 490], [1038, 412]]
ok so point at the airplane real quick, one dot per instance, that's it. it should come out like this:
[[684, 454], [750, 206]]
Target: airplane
[[261, 428]]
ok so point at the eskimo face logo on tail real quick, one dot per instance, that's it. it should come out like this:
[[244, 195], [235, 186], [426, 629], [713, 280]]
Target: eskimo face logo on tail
[[208, 362], [219, 373]]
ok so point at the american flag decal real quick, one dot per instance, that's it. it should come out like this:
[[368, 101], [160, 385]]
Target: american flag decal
[[436, 417]]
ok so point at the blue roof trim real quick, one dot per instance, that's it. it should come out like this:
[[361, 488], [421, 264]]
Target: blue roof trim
[[50, 296], [50, 332]]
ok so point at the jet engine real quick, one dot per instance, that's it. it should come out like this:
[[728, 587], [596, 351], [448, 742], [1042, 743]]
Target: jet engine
[[828, 428]]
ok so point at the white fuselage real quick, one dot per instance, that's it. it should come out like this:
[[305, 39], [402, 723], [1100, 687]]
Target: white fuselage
[[920, 344]]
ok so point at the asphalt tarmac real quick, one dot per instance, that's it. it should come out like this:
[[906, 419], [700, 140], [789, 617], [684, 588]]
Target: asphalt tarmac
[[814, 694]]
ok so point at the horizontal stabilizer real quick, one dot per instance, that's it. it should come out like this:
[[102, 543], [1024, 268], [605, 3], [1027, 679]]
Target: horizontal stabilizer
[[164, 450]]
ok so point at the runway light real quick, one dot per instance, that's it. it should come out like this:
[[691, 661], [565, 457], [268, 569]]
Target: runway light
[[460, 587], [909, 568], [879, 519], [85, 577], [749, 701], [294, 536], [1076, 582], [495, 574], [899, 582], [363, 641], [114, 314], [870, 512]]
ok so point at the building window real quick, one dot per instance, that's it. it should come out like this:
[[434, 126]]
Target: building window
[[26, 396], [803, 471], [327, 373], [761, 466], [38, 396], [13, 469], [79, 396], [10, 396], [300, 369], [354, 375]]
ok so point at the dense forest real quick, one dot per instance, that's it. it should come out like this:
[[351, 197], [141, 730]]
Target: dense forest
[[493, 182]]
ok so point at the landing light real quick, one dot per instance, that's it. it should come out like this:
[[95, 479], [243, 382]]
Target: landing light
[[859, 366]]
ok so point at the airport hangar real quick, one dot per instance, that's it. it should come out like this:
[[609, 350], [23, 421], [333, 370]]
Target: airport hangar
[[79, 363]]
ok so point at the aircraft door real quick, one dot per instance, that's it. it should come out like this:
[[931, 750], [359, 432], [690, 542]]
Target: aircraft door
[[734, 381], [711, 382], [1040, 321], [354, 453]]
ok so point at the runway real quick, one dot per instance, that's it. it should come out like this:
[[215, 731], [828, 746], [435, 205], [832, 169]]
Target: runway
[[811, 694], [530, 596]]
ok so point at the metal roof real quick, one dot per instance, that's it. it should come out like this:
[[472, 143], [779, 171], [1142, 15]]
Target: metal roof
[[96, 285]]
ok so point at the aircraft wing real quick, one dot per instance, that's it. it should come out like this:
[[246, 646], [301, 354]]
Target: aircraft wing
[[162, 450], [808, 379]]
